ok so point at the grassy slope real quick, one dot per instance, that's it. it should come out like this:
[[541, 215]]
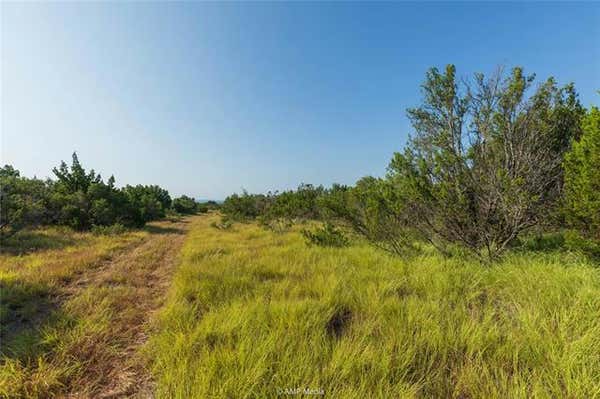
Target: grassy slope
[[73, 305], [251, 312]]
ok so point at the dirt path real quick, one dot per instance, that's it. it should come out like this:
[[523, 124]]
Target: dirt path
[[136, 282]]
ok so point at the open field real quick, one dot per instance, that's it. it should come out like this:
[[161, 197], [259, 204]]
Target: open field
[[256, 314], [247, 312], [75, 307]]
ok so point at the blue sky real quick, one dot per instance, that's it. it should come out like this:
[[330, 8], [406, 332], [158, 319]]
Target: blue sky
[[207, 99]]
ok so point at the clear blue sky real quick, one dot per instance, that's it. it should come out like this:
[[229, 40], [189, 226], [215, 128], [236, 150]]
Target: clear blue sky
[[206, 98]]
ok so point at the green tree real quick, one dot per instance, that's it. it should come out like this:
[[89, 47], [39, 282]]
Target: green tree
[[485, 161], [82, 199], [23, 201], [151, 202], [185, 205], [582, 177]]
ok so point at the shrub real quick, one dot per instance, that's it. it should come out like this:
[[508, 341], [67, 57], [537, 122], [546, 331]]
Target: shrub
[[151, 202], [326, 236], [23, 201], [582, 178], [246, 206], [185, 205], [577, 242], [373, 211], [78, 198], [485, 162], [82, 199], [223, 224]]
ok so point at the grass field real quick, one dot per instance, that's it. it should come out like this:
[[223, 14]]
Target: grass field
[[73, 308], [254, 314], [249, 313]]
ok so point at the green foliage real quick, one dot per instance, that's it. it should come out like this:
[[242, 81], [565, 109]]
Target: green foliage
[[186, 205], [78, 198], [372, 209], [293, 205], [326, 236], [575, 241], [582, 177], [23, 201], [299, 204], [485, 162], [82, 199], [152, 202], [245, 207]]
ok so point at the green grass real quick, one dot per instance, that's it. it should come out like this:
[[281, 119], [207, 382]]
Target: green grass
[[252, 313]]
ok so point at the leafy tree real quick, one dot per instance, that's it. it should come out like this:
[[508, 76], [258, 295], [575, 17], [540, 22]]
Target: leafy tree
[[485, 161], [185, 205], [300, 204], [246, 206], [151, 202], [373, 210], [582, 177], [23, 201], [81, 199]]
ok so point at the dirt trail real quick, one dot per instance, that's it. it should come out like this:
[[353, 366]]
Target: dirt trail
[[137, 281]]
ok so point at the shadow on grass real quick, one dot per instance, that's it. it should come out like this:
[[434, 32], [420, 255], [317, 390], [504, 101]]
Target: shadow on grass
[[26, 241], [154, 229], [560, 243], [24, 308]]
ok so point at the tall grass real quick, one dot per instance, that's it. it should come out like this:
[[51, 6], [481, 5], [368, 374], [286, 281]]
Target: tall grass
[[252, 314], [48, 330]]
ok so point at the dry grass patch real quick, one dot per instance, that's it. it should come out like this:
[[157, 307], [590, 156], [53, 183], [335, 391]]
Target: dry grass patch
[[74, 316]]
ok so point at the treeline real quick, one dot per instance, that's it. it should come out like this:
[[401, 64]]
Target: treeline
[[490, 158], [82, 199]]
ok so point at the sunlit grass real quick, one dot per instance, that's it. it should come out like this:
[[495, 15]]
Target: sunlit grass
[[46, 329], [253, 314]]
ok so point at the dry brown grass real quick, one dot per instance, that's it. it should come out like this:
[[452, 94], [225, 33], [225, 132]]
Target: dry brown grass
[[78, 313]]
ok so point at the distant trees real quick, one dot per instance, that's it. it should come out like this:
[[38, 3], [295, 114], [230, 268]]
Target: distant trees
[[151, 202], [80, 199], [23, 201], [245, 206], [299, 204], [490, 157], [186, 205], [375, 211]]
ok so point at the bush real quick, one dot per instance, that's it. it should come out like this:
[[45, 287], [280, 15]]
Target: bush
[[373, 211], [326, 236], [151, 202], [185, 205], [23, 201], [224, 224], [485, 162], [78, 198], [582, 178], [245, 207], [577, 242]]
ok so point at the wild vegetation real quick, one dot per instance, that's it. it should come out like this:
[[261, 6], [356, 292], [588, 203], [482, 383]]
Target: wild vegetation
[[81, 199], [491, 159], [75, 307], [253, 313], [469, 270]]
